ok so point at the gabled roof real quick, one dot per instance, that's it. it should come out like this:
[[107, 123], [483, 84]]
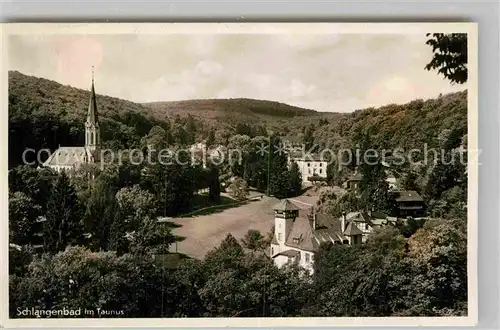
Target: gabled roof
[[286, 205], [305, 156], [408, 196], [302, 235], [67, 156], [352, 230], [357, 176]]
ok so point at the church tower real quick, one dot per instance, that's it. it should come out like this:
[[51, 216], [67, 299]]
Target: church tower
[[92, 131]]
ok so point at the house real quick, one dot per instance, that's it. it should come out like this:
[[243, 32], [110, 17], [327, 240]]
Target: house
[[353, 181], [367, 221], [299, 233], [409, 203], [292, 142], [310, 165], [73, 157]]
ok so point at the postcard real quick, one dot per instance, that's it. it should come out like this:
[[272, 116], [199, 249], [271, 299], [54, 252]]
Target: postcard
[[239, 174]]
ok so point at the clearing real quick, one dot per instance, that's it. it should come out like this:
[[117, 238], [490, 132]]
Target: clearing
[[204, 232]]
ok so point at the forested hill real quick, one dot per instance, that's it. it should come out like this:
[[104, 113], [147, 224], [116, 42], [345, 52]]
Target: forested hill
[[238, 110], [45, 114]]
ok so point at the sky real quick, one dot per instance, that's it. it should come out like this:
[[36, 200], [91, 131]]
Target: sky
[[323, 72]]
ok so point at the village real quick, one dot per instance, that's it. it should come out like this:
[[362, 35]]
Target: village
[[237, 205], [296, 227]]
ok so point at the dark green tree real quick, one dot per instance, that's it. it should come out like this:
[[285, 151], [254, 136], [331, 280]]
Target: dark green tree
[[210, 139], [64, 217], [450, 55], [295, 180], [102, 211], [214, 183], [23, 214]]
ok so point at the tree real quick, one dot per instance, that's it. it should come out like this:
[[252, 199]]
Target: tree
[[381, 198], [372, 175], [409, 181], [309, 137], [214, 184], [35, 184], [446, 173], [151, 238], [254, 241], [135, 205], [437, 254], [238, 189], [172, 185], [295, 180], [63, 225], [210, 139], [102, 211], [80, 279], [23, 214], [450, 55]]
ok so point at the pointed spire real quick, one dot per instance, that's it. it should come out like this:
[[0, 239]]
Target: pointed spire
[[92, 112]]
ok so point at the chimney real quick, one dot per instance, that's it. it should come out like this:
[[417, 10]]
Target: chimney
[[343, 221]]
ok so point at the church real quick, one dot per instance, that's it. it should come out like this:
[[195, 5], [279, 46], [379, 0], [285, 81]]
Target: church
[[72, 158]]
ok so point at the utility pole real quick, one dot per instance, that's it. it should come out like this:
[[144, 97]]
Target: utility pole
[[269, 166]]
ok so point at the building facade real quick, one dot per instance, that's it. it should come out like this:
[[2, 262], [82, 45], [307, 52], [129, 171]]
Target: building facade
[[299, 233], [310, 166]]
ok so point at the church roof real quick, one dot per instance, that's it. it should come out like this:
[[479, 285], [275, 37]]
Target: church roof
[[92, 111], [67, 156], [286, 205]]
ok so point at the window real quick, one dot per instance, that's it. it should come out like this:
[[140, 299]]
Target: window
[[272, 250], [91, 138], [308, 164], [320, 164], [320, 171], [279, 236], [366, 226], [309, 171], [307, 257]]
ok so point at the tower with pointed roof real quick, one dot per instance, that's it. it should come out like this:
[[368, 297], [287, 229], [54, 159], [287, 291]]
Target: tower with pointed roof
[[67, 158], [92, 130]]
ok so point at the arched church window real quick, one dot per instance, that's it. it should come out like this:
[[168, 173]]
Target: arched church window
[[91, 138]]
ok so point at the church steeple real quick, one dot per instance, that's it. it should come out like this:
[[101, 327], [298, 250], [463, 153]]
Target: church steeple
[[92, 131], [92, 111]]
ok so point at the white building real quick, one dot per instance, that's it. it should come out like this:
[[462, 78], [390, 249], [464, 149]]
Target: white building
[[69, 158], [298, 236], [309, 165]]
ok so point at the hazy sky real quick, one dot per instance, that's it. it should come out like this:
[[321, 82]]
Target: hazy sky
[[335, 72]]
